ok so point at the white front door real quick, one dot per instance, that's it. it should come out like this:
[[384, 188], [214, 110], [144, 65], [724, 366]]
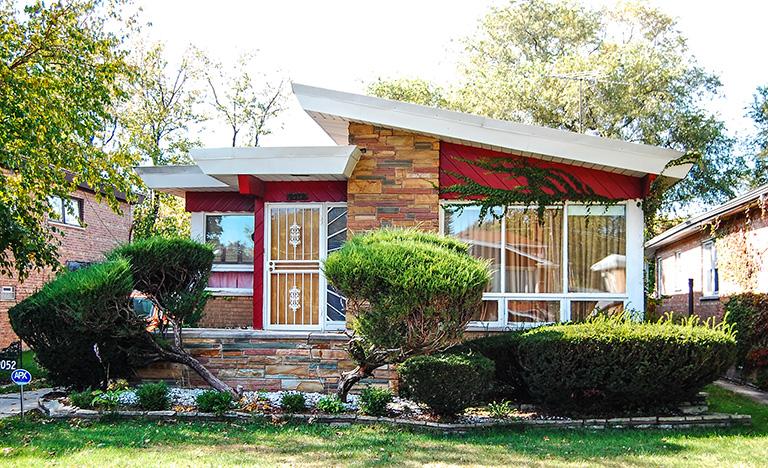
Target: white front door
[[297, 238]]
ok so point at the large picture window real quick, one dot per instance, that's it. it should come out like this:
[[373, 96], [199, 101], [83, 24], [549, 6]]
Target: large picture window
[[231, 236], [567, 266]]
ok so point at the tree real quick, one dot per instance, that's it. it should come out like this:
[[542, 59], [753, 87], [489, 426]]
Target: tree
[[408, 292], [63, 71], [156, 125], [243, 103], [624, 72], [416, 90], [758, 112]]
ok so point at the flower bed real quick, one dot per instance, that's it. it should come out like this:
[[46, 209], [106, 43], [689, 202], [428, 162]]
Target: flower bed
[[403, 412]]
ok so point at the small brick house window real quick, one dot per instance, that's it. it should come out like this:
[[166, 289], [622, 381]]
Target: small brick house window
[[67, 210], [710, 279]]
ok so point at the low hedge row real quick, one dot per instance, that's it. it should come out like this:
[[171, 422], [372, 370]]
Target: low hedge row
[[600, 366]]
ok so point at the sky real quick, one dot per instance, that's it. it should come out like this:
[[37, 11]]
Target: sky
[[345, 44]]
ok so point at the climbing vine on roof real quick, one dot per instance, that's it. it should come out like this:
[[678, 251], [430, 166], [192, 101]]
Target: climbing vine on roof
[[536, 188]]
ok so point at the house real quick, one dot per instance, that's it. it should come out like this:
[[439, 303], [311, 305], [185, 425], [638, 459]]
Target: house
[[722, 252], [90, 229], [274, 214]]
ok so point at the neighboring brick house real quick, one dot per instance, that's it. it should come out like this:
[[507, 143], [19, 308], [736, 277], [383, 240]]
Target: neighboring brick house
[[702, 261], [274, 214], [89, 228]]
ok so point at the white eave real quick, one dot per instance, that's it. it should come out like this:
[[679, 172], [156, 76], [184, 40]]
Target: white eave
[[217, 169], [179, 179], [333, 110]]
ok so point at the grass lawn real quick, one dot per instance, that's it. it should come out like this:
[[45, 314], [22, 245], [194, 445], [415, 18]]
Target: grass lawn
[[143, 443]]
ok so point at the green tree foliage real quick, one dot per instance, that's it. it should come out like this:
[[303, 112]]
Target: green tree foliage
[[628, 69], [416, 90], [409, 293], [758, 112], [62, 71], [244, 100], [157, 125]]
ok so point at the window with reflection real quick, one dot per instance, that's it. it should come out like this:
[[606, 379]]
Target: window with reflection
[[533, 311], [582, 310], [597, 241], [484, 237], [231, 236], [533, 250]]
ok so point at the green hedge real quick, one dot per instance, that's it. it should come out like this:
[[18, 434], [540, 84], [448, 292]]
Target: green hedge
[[446, 383], [749, 315], [502, 349], [70, 324], [615, 363]]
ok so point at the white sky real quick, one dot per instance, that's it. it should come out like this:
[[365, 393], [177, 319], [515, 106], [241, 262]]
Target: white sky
[[344, 44]]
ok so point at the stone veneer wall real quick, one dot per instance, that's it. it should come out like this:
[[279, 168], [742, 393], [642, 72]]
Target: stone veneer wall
[[395, 181], [260, 360]]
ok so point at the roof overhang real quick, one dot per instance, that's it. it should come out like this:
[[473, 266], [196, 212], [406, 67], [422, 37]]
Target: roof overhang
[[219, 169], [333, 110], [696, 223]]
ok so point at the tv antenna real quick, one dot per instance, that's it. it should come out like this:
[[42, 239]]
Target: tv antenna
[[583, 77]]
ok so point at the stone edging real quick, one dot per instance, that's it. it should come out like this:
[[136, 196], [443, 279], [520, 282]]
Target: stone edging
[[54, 409]]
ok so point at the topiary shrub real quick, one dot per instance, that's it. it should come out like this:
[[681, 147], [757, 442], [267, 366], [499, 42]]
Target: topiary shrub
[[81, 324], [213, 401], [501, 348], [408, 293], [153, 396], [373, 401], [446, 383], [293, 402], [614, 363]]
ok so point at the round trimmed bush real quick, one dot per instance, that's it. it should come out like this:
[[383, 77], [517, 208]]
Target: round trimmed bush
[[213, 401], [153, 396], [502, 349], [446, 383], [613, 363]]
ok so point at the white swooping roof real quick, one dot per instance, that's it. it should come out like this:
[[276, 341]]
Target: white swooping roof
[[333, 110]]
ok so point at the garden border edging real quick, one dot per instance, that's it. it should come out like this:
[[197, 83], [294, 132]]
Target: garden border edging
[[56, 410]]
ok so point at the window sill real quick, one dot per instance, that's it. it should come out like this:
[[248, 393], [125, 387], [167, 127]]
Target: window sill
[[223, 267], [709, 298], [230, 292], [65, 225]]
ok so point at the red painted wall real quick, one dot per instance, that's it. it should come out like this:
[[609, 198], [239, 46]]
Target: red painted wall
[[217, 201], [607, 184]]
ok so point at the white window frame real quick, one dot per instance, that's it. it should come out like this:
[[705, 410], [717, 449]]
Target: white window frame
[[715, 291], [634, 257], [660, 289], [80, 202], [324, 324], [197, 229], [679, 287]]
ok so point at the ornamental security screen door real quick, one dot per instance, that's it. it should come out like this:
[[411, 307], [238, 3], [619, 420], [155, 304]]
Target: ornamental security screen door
[[298, 238]]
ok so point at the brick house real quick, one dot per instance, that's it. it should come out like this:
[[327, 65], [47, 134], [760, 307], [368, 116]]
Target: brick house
[[274, 214], [722, 252], [89, 228]]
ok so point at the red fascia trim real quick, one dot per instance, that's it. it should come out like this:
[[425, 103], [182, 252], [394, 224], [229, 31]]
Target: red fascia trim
[[311, 191], [608, 184], [250, 185], [217, 201]]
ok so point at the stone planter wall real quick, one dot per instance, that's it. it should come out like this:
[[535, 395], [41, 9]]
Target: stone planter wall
[[263, 360]]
